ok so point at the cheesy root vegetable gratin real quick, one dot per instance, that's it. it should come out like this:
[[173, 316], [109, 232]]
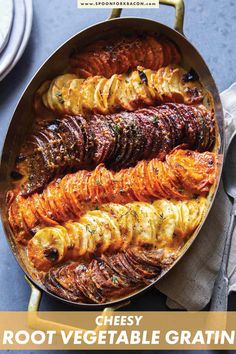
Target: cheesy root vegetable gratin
[[116, 173]]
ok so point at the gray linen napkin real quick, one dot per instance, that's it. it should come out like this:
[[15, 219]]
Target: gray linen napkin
[[190, 283]]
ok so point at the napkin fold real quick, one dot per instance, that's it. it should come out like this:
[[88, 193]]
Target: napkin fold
[[190, 283]]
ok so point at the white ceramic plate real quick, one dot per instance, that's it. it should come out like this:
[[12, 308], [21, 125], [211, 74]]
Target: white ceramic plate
[[6, 19], [17, 32], [28, 27]]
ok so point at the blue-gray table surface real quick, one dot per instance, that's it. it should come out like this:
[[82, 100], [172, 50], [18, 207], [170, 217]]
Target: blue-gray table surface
[[209, 25]]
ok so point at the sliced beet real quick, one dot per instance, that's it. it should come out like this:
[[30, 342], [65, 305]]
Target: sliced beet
[[104, 139]]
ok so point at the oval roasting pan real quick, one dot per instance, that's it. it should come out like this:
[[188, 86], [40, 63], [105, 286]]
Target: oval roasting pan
[[56, 64]]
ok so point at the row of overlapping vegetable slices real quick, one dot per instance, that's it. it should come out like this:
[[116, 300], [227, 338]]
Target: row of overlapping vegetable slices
[[114, 176]]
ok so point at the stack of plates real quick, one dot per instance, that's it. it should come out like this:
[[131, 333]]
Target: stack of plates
[[15, 27]]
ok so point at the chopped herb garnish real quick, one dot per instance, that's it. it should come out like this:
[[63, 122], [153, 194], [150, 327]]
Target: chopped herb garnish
[[124, 214], [181, 190], [156, 170], [114, 279], [91, 231], [117, 129], [133, 212], [155, 120], [58, 94]]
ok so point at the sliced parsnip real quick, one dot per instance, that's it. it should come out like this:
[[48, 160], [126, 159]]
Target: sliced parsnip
[[56, 90], [111, 239], [72, 96], [125, 220], [75, 233], [113, 93], [151, 82], [185, 226], [167, 226], [84, 243], [194, 210], [175, 90], [93, 231], [127, 96], [165, 83], [107, 92], [98, 95], [141, 86], [87, 89], [146, 223], [96, 228], [201, 206]]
